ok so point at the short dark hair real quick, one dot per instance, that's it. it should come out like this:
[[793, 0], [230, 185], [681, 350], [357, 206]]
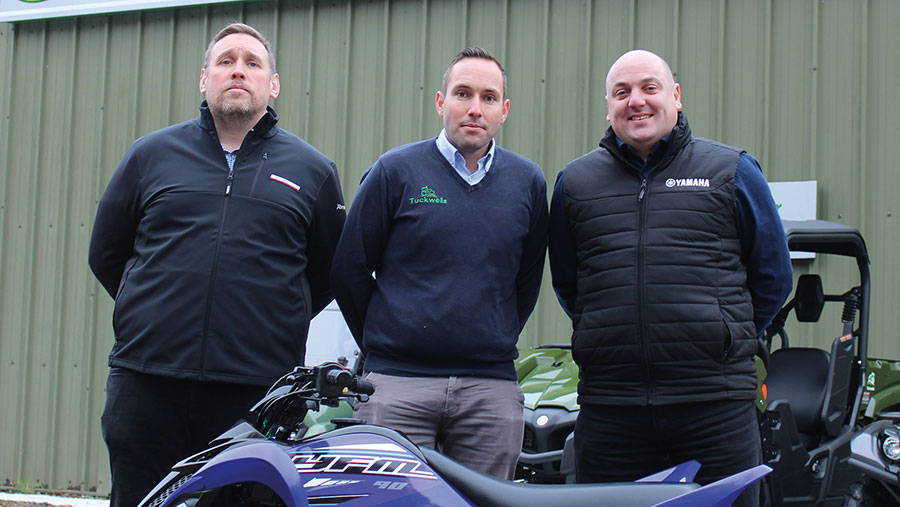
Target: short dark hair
[[473, 52], [234, 28]]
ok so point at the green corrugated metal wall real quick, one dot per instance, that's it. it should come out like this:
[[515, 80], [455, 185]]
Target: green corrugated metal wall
[[808, 86]]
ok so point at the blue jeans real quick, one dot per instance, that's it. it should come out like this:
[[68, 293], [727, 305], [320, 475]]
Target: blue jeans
[[624, 443], [151, 422], [476, 421]]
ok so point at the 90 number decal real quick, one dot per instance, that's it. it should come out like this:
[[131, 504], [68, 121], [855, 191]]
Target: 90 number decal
[[390, 485]]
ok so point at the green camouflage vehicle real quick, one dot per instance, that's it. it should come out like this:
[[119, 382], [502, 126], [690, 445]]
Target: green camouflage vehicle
[[549, 380], [829, 419]]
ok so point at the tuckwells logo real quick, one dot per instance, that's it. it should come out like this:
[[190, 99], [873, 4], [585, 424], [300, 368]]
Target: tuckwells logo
[[687, 182], [427, 196]]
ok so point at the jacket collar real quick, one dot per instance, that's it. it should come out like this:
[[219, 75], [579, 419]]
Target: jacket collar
[[266, 126], [679, 138]]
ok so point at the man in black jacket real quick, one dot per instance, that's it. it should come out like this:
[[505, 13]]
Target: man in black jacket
[[215, 238], [668, 253]]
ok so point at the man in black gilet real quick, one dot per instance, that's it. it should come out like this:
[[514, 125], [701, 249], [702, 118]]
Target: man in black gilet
[[668, 253]]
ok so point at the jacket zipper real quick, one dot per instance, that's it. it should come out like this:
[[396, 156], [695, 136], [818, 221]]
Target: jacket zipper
[[229, 180], [265, 157], [642, 318]]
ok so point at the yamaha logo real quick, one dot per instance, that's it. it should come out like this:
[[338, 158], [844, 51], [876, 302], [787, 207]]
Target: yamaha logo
[[687, 182]]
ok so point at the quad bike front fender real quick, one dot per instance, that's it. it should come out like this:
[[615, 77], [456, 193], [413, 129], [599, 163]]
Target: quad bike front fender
[[262, 462]]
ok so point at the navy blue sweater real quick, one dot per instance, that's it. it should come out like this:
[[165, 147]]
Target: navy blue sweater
[[457, 267]]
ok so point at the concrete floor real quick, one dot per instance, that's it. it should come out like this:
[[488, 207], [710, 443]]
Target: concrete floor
[[22, 500]]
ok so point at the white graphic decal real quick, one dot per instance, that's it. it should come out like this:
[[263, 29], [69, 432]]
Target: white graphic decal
[[355, 464], [318, 481], [279, 179]]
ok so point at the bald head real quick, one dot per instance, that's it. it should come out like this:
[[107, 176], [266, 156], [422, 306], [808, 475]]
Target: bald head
[[642, 100], [640, 57]]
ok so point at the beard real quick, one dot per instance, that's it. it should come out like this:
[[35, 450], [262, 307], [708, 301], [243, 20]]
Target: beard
[[240, 110]]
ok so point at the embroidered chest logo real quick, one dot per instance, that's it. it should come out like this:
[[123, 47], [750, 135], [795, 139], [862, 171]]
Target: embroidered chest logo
[[285, 181], [687, 182], [427, 196]]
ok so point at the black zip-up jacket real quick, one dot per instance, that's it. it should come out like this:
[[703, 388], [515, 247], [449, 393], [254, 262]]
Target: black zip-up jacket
[[217, 273]]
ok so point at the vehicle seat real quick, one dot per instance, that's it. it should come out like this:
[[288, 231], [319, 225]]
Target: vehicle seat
[[799, 375], [813, 381], [482, 489]]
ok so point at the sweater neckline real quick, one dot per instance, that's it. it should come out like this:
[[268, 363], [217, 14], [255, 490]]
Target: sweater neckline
[[456, 177]]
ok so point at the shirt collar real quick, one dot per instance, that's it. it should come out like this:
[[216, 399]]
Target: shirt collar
[[665, 139], [230, 157], [451, 153], [656, 152]]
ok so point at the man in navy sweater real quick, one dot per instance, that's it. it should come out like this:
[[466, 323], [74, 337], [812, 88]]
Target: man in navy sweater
[[454, 230], [668, 253]]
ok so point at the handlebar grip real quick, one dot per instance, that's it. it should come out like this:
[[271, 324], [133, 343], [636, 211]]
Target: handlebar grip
[[364, 387], [341, 378]]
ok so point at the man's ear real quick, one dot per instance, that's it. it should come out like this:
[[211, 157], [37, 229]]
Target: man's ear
[[203, 81], [275, 84], [439, 103]]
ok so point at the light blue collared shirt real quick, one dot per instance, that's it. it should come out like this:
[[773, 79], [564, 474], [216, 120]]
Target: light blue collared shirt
[[459, 163]]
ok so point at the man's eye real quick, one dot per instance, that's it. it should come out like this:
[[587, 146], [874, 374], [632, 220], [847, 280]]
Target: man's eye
[[462, 94], [252, 64], [490, 98]]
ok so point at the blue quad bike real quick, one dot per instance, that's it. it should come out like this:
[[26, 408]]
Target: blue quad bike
[[268, 460], [829, 418]]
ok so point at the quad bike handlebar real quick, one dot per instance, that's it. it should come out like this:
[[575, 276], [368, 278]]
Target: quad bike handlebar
[[280, 414]]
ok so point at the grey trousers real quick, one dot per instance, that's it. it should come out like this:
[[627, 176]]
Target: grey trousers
[[476, 421]]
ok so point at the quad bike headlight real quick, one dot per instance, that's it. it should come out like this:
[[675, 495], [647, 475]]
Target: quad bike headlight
[[890, 444]]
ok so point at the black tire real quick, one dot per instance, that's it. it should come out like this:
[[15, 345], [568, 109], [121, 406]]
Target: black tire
[[869, 492]]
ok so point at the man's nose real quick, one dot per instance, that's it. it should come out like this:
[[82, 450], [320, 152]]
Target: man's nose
[[238, 70], [475, 108], [636, 99]]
